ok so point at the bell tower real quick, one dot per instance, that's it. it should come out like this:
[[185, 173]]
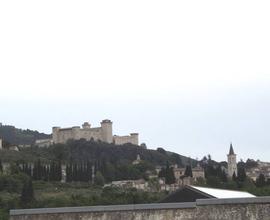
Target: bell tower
[[232, 165]]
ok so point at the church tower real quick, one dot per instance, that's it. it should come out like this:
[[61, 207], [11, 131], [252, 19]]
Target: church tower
[[232, 165]]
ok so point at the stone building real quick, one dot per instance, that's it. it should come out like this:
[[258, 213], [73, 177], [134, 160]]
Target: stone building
[[44, 142], [103, 133], [261, 168], [140, 184], [232, 165], [179, 172], [138, 160]]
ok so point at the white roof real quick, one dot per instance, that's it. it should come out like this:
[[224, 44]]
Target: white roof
[[223, 193]]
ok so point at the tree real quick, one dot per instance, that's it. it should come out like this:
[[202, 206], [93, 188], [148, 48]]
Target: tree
[[250, 163], [260, 181], [171, 179], [176, 159], [161, 150], [169, 174], [241, 174], [1, 167], [188, 171], [27, 194], [99, 179], [224, 177], [162, 173], [234, 178]]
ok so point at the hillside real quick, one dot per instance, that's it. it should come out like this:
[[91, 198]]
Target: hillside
[[16, 136], [91, 151]]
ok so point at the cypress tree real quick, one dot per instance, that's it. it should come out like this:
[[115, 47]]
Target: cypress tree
[[88, 172], [67, 173], [169, 174], [1, 167], [27, 194], [260, 181], [241, 174], [224, 177], [188, 171], [162, 173], [234, 178]]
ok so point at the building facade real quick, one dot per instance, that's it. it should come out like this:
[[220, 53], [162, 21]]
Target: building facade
[[103, 133]]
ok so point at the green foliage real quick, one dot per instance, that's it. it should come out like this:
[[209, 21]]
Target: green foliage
[[4, 214], [241, 174], [176, 159], [79, 172], [81, 194], [99, 179], [154, 184], [250, 164], [27, 195], [260, 181], [12, 182], [101, 153], [169, 174], [217, 178], [161, 150], [47, 172], [12, 135], [188, 171], [1, 167]]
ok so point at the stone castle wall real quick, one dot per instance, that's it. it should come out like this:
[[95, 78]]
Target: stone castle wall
[[103, 133], [132, 138], [76, 133], [203, 209]]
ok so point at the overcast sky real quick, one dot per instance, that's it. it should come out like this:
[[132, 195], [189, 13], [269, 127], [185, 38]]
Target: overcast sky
[[189, 76]]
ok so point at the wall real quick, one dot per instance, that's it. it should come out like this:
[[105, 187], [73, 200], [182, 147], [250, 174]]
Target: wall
[[203, 209], [119, 140], [103, 133], [76, 133]]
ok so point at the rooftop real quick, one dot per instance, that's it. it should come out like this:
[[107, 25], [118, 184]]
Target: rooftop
[[223, 193], [231, 150]]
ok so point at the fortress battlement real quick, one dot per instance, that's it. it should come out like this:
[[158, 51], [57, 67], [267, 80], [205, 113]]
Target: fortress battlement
[[103, 133]]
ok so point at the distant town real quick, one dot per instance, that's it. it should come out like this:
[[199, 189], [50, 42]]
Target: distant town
[[91, 166], [169, 177]]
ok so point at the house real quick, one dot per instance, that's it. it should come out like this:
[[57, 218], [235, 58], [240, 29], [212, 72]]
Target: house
[[261, 168], [138, 184], [192, 193]]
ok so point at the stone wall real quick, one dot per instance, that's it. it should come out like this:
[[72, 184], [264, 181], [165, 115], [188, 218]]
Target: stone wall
[[203, 209], [103, 133], [132, 138]]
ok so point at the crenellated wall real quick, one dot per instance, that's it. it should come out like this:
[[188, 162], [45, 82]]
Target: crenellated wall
[[203, 209]]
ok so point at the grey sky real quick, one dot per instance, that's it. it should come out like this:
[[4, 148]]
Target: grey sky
[[188, 76]]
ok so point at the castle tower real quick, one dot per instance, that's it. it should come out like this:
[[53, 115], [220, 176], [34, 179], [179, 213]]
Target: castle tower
[[86, 125], [106, 128], [232, 165], [135, 138], [55, 131]]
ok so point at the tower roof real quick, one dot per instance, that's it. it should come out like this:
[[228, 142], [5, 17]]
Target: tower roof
[[231, 150]]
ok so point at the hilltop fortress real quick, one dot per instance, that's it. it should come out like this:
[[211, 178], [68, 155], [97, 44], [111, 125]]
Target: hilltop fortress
[[103, 133]]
